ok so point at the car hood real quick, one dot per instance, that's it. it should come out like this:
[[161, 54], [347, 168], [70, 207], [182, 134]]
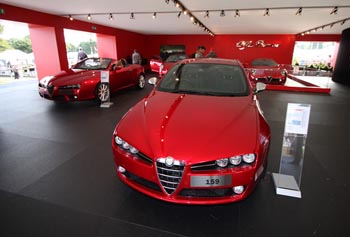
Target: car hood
[[71, 77], [192, 128]]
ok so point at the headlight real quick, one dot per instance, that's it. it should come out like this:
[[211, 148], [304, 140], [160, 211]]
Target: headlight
[[222, 162], [249, 158], [253, 71], [284, 73], [126, 146], [235, 160]]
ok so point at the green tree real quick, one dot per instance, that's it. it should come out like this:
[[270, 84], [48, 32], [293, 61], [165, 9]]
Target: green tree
[[24, 44], [88, 47], [4, 45], [71, 47]]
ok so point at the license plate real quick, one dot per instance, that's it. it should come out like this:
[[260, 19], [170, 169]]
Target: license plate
[[211, 181]]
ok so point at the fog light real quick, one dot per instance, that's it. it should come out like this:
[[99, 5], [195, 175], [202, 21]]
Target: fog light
[[238, 189], [121, 169]]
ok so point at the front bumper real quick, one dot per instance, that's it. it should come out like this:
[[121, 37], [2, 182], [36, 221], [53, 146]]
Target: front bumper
[[142, 174], [55, 93]]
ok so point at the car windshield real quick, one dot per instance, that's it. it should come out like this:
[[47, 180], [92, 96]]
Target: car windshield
[[93, 64], [176, 57], [264, 62], [205, 79]]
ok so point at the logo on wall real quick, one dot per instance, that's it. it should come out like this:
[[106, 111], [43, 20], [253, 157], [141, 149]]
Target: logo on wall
[[241, 45]]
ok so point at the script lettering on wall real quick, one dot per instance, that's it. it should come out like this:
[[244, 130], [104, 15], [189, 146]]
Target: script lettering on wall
[[241, 45]]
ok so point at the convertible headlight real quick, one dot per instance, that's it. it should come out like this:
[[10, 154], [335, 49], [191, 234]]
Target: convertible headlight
[[126, 146], [235, 160], [249, 158], [253, 71], [284, 72], [222, 162]]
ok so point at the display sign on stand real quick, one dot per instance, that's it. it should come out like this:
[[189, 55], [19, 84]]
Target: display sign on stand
[[105, 86], [287, 181]]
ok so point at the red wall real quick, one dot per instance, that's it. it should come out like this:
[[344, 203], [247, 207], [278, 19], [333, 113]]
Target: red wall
[[225, 45]]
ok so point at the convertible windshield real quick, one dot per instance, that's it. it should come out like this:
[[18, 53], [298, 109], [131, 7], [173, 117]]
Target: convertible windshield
[[93, 64], [205, 79], [264, 62]]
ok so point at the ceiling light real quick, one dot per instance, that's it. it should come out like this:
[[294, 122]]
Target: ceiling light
[[206, 14], [300, 10], [334, 11], [177, 5], [70, 17], [343, 22], [222, 14], [237, 14], [192, 18], [89, 17], [185, 12], [110, 17], [132, 16], [154, 15], [331, 25], [267, 12], [179, 14]]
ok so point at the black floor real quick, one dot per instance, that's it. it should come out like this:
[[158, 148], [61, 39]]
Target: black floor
[[57, 175]]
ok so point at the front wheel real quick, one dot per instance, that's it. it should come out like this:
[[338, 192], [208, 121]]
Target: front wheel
[[102, 92], [142, 81]]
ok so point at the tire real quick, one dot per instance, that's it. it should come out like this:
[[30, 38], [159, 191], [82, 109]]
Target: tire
[[142, 81], [102, 92]]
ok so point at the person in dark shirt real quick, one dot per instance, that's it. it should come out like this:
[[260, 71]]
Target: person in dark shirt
[[81, 54]]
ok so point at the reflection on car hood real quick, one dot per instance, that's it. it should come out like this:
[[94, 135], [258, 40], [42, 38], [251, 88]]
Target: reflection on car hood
[[194, 128], [72, 77]]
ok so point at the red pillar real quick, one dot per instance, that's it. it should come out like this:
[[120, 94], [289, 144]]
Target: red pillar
[[106, 45], [49, 49]]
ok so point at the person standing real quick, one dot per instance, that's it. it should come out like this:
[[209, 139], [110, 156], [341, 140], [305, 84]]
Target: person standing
[[136, 57], [81, 54]]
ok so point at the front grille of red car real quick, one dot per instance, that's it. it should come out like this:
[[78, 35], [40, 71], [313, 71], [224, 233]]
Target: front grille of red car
[[217, 192], [50, 89], [169, 177]]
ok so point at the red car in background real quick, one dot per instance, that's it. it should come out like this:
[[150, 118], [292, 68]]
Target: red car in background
[[266, 70], [198, 138], [83, 80], [169, 62], [155, 63]]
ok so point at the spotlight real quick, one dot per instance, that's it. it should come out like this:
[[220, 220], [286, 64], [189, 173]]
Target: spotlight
[[300, 10], [167, 1], [110, 17], [154, 15], [206, 14], [185, 12], [343, 22], [222, 14], [89, 17], [177, 5], [132, 16], [70, 17], [237, 13], [192, 18], [331, 25], [179, 14], [334, 11], [267, 12]]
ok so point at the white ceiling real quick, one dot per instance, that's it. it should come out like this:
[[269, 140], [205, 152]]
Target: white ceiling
[[280, 21]]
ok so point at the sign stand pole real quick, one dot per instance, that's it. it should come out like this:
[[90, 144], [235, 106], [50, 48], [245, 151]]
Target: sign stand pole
[[105, 80]]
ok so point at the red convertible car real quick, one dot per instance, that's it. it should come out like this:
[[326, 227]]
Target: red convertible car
[[83, 80], [198, 138], [267, 71]]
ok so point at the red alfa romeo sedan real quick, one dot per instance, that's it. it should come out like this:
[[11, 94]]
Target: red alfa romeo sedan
[[83, 80], [198, 138]]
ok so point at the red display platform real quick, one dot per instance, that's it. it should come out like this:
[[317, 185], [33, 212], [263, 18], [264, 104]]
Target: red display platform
[[300, 85]]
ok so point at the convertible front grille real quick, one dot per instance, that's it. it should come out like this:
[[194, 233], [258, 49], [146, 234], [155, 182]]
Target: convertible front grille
[[169, 176]]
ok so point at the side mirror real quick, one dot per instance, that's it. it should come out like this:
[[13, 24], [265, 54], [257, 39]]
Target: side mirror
[[153, 81], [259, 87]]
